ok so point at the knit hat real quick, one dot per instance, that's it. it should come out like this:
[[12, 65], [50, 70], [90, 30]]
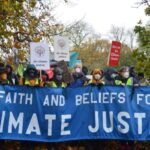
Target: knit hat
[[124, 69], [31, 66]]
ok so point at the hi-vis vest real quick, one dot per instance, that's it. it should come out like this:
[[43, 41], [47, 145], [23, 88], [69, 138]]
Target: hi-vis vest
[[34, 82], [53, 84], [5, 82], [129, 82], [96, 82]]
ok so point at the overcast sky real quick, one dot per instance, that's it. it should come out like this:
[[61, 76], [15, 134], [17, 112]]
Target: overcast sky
[[101, 14]]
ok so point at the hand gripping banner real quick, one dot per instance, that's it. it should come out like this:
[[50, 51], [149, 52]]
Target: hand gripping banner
[[56, 114]]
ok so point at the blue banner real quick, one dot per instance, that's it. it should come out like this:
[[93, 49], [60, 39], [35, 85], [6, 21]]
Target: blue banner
[[56, 114]]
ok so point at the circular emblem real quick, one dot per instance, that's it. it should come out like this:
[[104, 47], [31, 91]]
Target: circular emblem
[[39, 51], [61, 43]]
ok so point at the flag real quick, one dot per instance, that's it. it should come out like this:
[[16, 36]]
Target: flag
[[20, 70], [73, 59]]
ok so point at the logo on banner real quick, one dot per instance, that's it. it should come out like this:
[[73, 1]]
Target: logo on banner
[[39, 51], [61, 43]]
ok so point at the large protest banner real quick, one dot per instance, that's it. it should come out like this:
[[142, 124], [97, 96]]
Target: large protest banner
[[56, 114]]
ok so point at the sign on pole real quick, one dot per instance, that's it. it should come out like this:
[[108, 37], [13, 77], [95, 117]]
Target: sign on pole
[[39, 55], [61, 48], [114, 54]]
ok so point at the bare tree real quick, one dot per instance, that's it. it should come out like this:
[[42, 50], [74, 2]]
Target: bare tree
[[127, 37], [131, 38], [143, 2], [118, 33], [78, 33]]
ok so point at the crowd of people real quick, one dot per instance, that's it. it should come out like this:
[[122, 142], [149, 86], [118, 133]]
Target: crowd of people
[[78, 77]]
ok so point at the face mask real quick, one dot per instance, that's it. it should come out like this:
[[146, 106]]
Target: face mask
[[31, 73], [59, 77], [78, 70], [97, 76], [125, 75], [113, 75]]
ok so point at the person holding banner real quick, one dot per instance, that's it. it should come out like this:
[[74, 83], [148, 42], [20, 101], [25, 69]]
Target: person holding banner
[[124, 77], [78, 77], [11, 76], [97, 75], [138, 77], [3, 75], [58, 79], [31, 77], [110, 75]]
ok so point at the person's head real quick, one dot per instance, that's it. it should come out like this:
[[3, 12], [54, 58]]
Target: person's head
[[111, 73], [78, 68], [58, 74], [44, 76], [124, 72], [3, 72], [9, 68], [31, 71], [85, 70], [97, 74]]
